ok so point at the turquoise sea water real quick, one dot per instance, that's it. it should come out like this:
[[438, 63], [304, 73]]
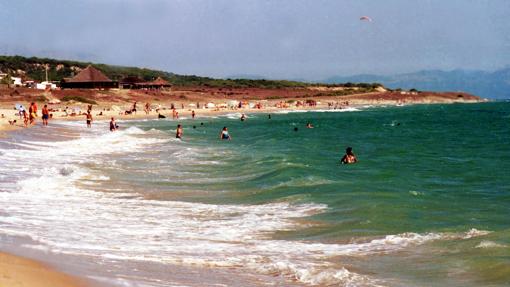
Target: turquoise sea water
[[428, 203]]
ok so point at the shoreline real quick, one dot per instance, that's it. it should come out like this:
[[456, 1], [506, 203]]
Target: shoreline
[[18, 271], [185, 113]]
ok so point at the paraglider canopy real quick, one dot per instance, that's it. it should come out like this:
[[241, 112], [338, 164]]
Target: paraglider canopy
[[365, 18]]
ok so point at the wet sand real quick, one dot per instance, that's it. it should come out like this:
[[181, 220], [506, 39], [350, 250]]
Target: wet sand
[[20, 272]]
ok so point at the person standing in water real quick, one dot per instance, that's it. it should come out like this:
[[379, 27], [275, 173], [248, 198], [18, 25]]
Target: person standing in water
[[224, 135], [45, 115], [193, 114], [89, 119], [178, 132], [113, 125], [243, 118], [349, 157]]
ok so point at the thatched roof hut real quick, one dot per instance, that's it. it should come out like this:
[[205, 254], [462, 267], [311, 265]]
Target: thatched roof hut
[[89, 78], [130, 82], [133, 82]]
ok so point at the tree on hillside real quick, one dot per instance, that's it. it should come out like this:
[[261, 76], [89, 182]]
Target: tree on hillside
[[7, 80]]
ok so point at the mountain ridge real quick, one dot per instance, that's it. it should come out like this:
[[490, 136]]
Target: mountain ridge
[[495, 85]]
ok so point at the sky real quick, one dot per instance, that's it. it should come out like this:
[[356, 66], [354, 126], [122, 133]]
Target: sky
[[281, 39]]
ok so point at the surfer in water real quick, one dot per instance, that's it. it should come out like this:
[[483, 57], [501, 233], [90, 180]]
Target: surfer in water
[[224, 135], [349, 157]]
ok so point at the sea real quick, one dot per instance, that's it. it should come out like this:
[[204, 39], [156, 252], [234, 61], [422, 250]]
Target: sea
[[427, 203]]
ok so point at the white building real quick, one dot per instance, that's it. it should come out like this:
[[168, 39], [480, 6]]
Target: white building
[[16, 81], [46, 85]]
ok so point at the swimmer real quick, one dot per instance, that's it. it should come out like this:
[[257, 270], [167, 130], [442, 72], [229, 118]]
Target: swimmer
[[193, 114], [243, 117], [309, 126], [178, 133], [269, 116], [295, 129], [113, 125], [224, 134], [349, 157]]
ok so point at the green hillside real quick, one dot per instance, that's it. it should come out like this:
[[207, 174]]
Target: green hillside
[[34, 68]]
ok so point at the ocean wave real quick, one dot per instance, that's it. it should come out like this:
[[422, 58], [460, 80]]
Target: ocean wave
[[54, 212], [490, 244], [306, 181]]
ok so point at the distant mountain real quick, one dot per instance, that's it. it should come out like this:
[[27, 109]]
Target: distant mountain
[[495, 85]]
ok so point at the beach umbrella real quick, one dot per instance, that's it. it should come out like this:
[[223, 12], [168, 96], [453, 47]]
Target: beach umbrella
[[233, 103], [211, 105], [19, 107], [192, 105]]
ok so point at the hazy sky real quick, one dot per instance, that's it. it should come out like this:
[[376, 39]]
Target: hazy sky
[[280, 39]]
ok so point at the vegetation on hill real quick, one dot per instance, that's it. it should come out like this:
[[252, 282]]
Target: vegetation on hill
[[35, 69]]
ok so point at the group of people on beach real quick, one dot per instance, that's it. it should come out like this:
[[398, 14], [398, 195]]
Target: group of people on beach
[[30, 116]]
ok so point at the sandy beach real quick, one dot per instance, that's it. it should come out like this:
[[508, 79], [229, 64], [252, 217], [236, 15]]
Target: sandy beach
[[185, 100], [20, 272]]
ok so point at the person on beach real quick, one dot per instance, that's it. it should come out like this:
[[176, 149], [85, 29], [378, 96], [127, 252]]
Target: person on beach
[[113, 125], [25, 117], [224, 135], [147, 108], [20, 112], [193, 114], [31, 114], [160, 116], [174, 113], [133, 110], [178, 132], [349, 157], [45, 115], [35, 108], [89, 120]]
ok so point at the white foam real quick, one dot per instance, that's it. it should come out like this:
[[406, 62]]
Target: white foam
[[490, 244], [60, 215]]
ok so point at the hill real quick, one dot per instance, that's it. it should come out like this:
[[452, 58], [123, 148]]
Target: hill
[[494, 85], [35, 68]]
